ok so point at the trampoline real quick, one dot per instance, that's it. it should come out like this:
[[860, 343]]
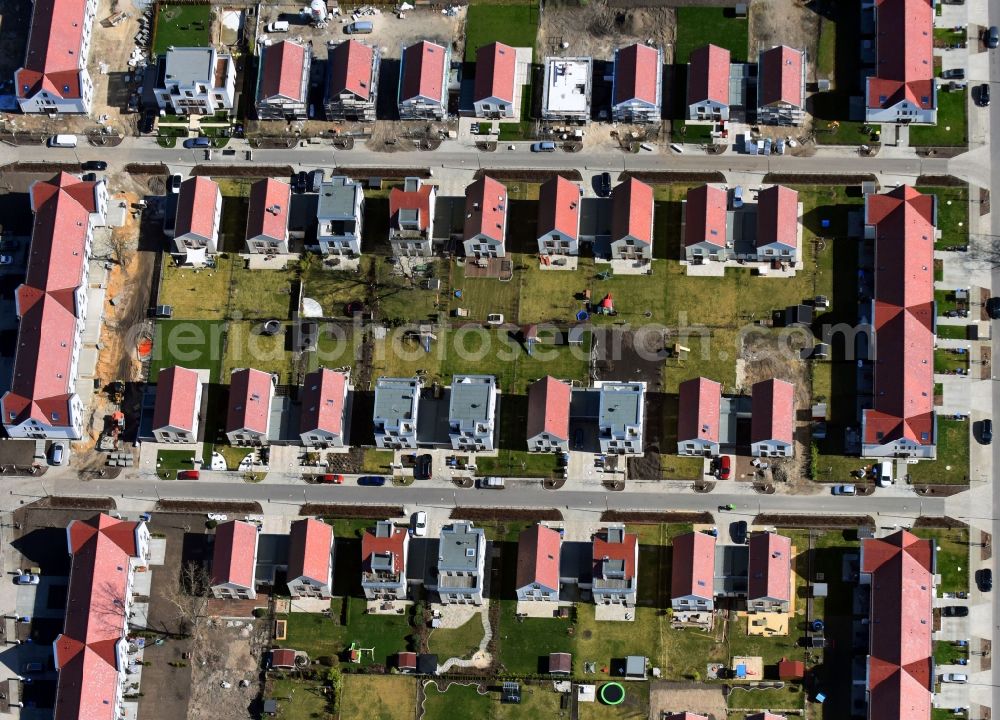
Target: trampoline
[[582, 315], [612, 693]]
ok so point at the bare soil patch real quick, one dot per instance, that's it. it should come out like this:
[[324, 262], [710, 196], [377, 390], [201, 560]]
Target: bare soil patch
[[698, 698], [194, 506], [361, 512], [226, 670], [502, 514], [598, 30], [55, 502], [817, 521], [655, 518]]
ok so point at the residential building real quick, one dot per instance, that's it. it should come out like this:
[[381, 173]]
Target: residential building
[[705, 225], [383, 561], [196, 81], [903, 88], [461, 565], [493, 92], [352, 82], [692, 573], [616, 560], [568, 85], [781, 86], [548, 415], [560, 663], [559, 217], [472, 412], [199, 215], [283, 82], [538, 550], [778, 229], [485, 226], [310, 559], [91, 653], [637, 86], [620, 417], [411, 218], [339, 216], [323, 422], [632, 221], [234, 561], [395, 415], [54, 77], [267, 219], [708, 84], [178, 402], [248, 420], [899, 573], [51, 307], [901, 421], [423, 82], [772, 427], [769, 573], [281, 659], [699, 417]]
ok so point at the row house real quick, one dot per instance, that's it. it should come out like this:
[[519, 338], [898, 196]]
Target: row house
[[637, 85], [620, 417], [178, 405], [903, 88], [384, 551], [310, 559], [708, 84], [267, 217], [283, 82], [423, 82], [323, 422], [548, 415], [196, 81], [248, 419], [352, 82], [339, 217], [395, 414], [234, 561], [493, 90], [411, 218], [472, 410], [198, 218], [485, 228], [54, 77]]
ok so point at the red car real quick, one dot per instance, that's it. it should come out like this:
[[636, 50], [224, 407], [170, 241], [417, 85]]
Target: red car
[[725, 467], [187, 475], [329, 479]]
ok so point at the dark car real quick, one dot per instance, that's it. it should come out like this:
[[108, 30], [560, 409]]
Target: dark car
[[992, 37], [602, 184], [371, 480], [94, 165], [301, 182], [198, 142], [148, 124], [954, 74], [955, 611], [578, 439], [738, 532], [424, 468], [984, 580], [993, 307], [986, 432], [983, 95]]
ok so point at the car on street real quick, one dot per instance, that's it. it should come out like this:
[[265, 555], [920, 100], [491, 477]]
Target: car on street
[[188, 475], [984, 580], [492, 483], [27, 579], [993, 307], [94, 165], [543, 146], [175, 183], [725, 467], [371, 480], [424, 468], [420, 523], [602, 185], [198, 142], [58, 454], [844, 490], [982, 95], [992, 37], [954, 74], [986, 432], [738, 532], [955, 678], [955, 611], [331, 479]]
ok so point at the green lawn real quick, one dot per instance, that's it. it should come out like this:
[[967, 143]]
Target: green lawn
[[463, 701], [826, 51], [846, 132], [196, 293], [261, 294], [524, 644], [515, 24], [168, 462], [246, 347], [697, 26], [946, 361], [298, 698], [953, 214], [634, 707], [182, 26], [952, 556], [950, 129], [691, 132], [602, 641], [378, 697], [952, 332], [538, 702], [946, 653], [952, 464], [458, 642], [195, 344], [483, 296]]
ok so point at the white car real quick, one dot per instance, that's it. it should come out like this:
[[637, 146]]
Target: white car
[[494, 319], [218, 517], [420, 523], [955, 678], [175, 183], [27, 579]]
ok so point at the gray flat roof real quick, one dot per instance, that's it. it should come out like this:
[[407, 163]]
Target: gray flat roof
[[458, 548], [470, 397], [620, 404], [190, 64], [394, 398], [336, 197]]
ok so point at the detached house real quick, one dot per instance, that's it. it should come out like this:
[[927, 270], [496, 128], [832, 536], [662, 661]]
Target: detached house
[[411, 218], [777, 225], [705, 225], [708, 84], [461, 564], [772, 429], [310, 559], [615, 569], [493, 94], [538, 550], [178, 400], [693, 573], [423, 82], [248, 420], [637, 87], [395, 414], [903, 88], [568, 87], [699, 417], [196, 81], [620, 418], [352, 86], [485, 226], [781, 86], [339, 216], [199, 213], [769, 573], [383, 561], [234, 560], [283, 82], [472, 411], [559, 217], [548, 415], [632, 221], [267, 220], [54, 77], [323, 422]]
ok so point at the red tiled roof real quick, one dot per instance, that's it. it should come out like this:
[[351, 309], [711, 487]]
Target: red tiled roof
[[406, 660], [773, 411], [417, 200], [423, 71], [769, 567], [59, 233], [233, 559], [693, 569], [791, 669], [685, 716], [625, 550], [249, 400], [196, 207], [708, 75], [486, 209], [323, 401], [268, 214], [85, 652], [559, 207], [282, 658], [548, 408], [371, 544], [53, 58], [284, 63], [905, 54], [780, 76], [495, 65], [632, 211], [637, 70], [309, 547], [351, 69], [176, 388], [705, 216], [698, 414], [777, 216], [765, 716], [538, 557]]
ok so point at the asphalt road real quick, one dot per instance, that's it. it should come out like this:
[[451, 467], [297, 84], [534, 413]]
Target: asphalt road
[[994, 132]]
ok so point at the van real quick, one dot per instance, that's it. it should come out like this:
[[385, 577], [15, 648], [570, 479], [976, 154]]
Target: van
[[361, 27], [844, 490], [277, 26], [63, 141], [883, 470], [493, 483], [543, 146]]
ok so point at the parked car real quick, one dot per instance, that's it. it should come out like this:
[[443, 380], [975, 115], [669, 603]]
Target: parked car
[[494, 319], [360, 27], [543, 146], [992, 37], [198, 142], [424, 468], [955, 678], [738, 532], [371, 480], [175, 183], [94, 165], [188, 475], [331, 479], [954, 74], [492, 483], [27, 579], [603, 183], [983, 95], [955, 611], [844, 490], [993, 308], [58, 456], [725, 467], [986, 432], [984, 580], [420, 523], [278, 26]]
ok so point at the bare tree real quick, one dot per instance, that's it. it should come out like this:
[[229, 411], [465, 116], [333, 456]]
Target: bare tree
[[120, 248], [189, 595]]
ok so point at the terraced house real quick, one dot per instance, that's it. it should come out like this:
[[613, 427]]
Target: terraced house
[[903, 88], [54, 77]]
